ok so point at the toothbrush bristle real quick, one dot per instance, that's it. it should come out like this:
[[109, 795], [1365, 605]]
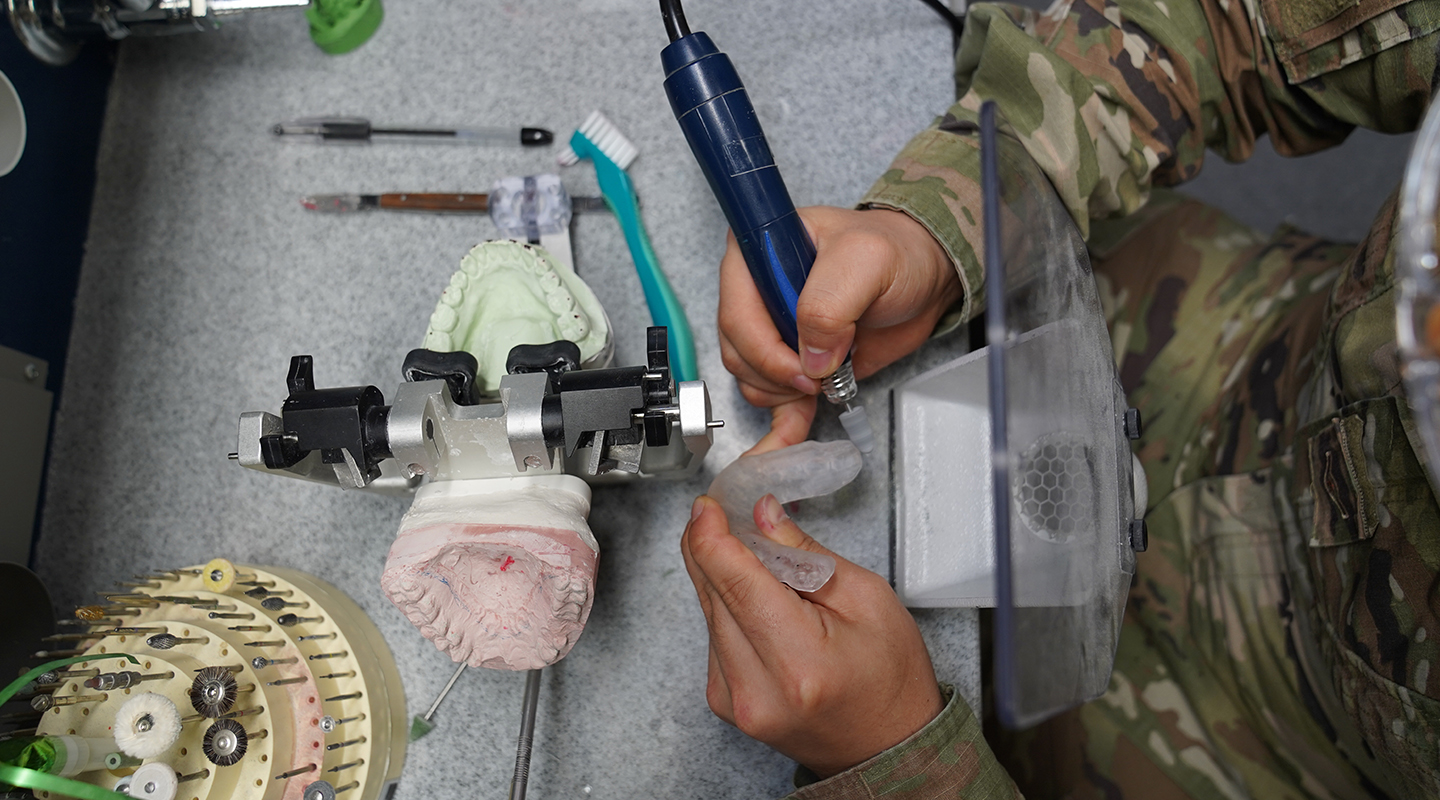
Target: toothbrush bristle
[[567, 157], [600, 130]]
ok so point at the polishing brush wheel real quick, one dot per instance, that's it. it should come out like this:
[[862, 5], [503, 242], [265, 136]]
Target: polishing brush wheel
[[225, 743], [214, 691], [146, 725]]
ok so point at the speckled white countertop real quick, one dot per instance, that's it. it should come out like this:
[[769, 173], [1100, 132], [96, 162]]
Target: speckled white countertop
[[203, 275]]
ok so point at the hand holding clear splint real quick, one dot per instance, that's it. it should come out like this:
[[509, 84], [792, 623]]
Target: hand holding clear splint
[[798, 472]]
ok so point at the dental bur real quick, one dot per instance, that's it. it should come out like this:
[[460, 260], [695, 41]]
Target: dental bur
[[714, 111]]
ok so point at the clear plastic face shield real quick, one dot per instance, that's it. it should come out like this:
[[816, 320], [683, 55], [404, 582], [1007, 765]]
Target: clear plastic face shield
[[1417, 269]]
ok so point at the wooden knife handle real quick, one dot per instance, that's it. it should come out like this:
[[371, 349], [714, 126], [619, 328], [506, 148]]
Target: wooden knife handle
[[457, 203]]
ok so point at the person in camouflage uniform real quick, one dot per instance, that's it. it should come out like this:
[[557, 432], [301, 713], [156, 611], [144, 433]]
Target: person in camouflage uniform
[[1282, 626]]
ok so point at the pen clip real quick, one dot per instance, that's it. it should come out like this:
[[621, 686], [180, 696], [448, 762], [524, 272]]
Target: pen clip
[[326, 128]]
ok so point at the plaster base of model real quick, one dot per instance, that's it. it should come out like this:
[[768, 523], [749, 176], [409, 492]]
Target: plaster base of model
[[497, 572], [507, 293]]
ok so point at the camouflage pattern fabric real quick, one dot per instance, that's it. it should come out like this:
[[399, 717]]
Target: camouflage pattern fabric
[[1224, 686], [947, 758], [1278, 642], [1114, 98]]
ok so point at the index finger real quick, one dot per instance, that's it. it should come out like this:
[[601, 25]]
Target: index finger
[[790, 423]]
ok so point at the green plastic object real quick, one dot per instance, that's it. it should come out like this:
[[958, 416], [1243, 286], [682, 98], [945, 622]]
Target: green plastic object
[[26, 778], [665, 308], [39, 753], [339, 26], [33, 779], [419, 726]]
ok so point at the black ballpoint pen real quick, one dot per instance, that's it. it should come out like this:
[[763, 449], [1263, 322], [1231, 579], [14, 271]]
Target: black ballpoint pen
[[358, 129]]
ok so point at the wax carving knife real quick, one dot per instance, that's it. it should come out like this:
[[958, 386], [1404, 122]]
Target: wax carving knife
[[434, 202]]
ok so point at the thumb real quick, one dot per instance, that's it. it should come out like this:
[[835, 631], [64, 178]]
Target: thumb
[[825, 317]]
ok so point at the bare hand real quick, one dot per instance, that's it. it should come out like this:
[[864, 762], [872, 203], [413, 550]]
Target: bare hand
[[829, 678], [880, 282]]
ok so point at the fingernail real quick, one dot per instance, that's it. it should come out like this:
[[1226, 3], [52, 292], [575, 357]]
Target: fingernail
[[771, 512], [815, 362], [806, 384], [697, 509]]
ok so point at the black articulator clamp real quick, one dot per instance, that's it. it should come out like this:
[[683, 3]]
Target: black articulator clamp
[[334, 421], [621, 406]]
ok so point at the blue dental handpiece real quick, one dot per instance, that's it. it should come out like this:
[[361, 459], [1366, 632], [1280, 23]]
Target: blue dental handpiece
[[714, 111]]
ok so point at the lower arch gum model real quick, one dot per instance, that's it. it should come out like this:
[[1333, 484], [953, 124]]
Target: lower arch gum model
[[496, 596]]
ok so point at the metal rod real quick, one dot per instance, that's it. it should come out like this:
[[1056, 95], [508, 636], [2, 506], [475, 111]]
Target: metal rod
[[527, 735], [76, 637], [232, 715], [322, 656], [275, 604], [435, 706], [338, 697], [314, 636], [222, 8], [248, 628], [45, 702], [339, 675], [338, 745], [194, 776], [100, 623], [42, 655], [63, 674], [271, 643], [96, 614], [285, 776], [287, 681], [355, 763], [219, 615]]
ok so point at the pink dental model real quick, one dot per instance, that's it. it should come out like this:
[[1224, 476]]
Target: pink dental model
[[486, 588]]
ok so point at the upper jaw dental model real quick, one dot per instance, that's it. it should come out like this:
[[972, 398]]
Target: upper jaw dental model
[[505, 295], [505, 414]]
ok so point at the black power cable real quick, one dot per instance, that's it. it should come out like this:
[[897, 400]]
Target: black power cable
[[955, 21], [675, 25]]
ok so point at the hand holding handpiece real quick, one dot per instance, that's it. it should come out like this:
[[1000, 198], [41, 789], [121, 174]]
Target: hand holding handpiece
[[829, 678], [724, 133], [879, 285]]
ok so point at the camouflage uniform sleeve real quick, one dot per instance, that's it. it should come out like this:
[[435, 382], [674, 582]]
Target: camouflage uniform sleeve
[[947, 758], [1112, 97]]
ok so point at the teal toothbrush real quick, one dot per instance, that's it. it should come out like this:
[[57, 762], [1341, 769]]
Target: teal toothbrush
[[599, 141]]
